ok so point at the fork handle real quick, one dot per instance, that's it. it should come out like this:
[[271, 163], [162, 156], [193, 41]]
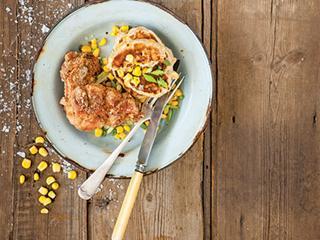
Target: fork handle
[[127, 206], [90, 186]]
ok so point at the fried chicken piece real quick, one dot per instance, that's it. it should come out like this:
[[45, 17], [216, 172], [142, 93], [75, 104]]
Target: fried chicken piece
[[89, 105]]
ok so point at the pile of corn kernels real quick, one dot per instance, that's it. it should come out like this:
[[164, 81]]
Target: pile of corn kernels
[[47, 192]]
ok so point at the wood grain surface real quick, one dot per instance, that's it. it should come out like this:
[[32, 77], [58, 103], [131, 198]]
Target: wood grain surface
[[254, 174]]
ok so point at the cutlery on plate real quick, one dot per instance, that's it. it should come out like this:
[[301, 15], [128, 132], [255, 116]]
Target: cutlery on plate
[[143, 157], [90, 186]]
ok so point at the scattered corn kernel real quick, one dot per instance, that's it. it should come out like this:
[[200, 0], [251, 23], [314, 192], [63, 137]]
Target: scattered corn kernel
[[115, 31], [44, 211], [124, 28], [117, 136], [135, 81], [119, 129], [55, 186], [56, 167], [33, 150], [102, 42], [105, 68], [22, 179], [166, 109], [94, 44], [174, 103], [130, 69], [122, 135], [42, 199], [130, 58], [137, 71], [105, 61], [96, 52], [43, 190], [178, 93], [26, 163], [110, 76], [72, 174], [43, 152], [52, 194], [50, 180], [47, 201], [120, 73], [147, 123], [163, 116], [127, 77], [127, 128], [86, 49], [39, 139], [98, 132], [36, 176], [42, 166]]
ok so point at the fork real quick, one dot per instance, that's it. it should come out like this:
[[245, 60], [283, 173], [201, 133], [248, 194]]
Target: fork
[[90, 186]]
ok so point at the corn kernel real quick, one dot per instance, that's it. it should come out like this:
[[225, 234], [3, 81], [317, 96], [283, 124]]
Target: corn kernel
[[115, 31], [127, 77], [110, 76], [94, 44], [36, 177], [147, 123], [174, 103], [44, 211], [102, 42], [39, 139], [137, 71], [33, 150], [166, 109], [86, 49], [124, 28], [98, 132], [26, 163], [105, 68], [42, 166], [105, 61], [144, 70], [127, 128], [135, 81], [178, 93], [22, 179], [55, 186], [46, 201], [56, 167], [43, 152], [130, 69], [72, 174], [50, 180], [117, 136], [119, 129], [52, 194], [42, 199], [129, 58], [163, 116], [43, 190], [122, 135], [120, 73], [96, 52]]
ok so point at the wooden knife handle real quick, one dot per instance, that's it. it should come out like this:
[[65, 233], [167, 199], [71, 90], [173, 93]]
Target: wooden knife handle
[[127, 206]]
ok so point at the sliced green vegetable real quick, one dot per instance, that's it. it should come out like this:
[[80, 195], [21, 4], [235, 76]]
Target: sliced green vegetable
[[162, 83], [157, 72], [169, 115], [166, 62], [149, 70], [113, 84], [114, 132], [102, 77], [144, 126], [149, 78], [110, 129], [181, 97]]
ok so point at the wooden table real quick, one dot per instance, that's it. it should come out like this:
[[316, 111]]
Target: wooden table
[[253, 174]]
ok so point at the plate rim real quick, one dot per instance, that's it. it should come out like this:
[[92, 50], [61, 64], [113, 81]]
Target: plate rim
[[73, 162]]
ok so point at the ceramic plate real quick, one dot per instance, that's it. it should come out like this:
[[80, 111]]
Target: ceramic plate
[[95, 20]]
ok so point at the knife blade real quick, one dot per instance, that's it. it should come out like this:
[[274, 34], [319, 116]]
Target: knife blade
[[151, 134]]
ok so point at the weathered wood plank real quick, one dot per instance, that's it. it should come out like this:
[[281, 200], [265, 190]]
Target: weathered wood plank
[[67, 217], [169, 205], [267, 169], [8, 74]]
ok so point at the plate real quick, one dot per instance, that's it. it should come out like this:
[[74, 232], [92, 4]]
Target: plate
[[95, 20]]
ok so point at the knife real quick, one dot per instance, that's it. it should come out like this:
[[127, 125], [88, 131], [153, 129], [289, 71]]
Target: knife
[[143, 157]]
